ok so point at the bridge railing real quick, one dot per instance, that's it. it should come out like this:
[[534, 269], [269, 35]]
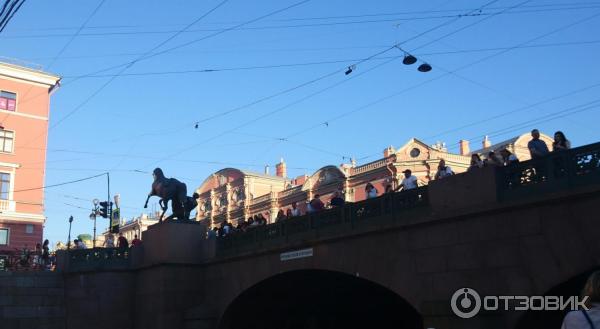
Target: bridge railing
[[349, 216], [97, 259], [552, 173]]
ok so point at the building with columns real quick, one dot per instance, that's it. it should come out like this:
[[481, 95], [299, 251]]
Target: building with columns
[[24, 111], [233, 195], [130, 228]]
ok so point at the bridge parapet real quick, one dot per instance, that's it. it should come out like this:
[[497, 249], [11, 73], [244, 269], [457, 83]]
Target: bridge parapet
[[556, 172], [350, 219], [567, 172], [94, 259]]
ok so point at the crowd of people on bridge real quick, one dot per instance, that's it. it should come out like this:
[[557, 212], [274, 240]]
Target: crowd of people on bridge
[[537, 148]]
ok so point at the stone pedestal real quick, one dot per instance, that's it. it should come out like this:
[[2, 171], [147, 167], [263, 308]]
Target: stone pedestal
[[174, 242]]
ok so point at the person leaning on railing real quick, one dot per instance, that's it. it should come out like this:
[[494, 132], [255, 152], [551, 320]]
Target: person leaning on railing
[[507, 157], [409, 182], [560, 142], [476, 162], [537, 147]]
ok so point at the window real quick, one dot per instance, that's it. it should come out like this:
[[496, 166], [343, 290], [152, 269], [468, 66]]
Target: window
[[8, 101], [415, 152], [3, 236], [29, 228], [4, 186], [7, 139]]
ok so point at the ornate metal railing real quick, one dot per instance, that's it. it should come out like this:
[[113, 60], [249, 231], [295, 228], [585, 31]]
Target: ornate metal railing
[[19, 260], [554, 172], [98, 259], [351, 215]]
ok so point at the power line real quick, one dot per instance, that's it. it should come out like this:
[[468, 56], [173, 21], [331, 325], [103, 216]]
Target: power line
[[81, 27], [16, 5], [322, 77], [523, 108], [151, 54], [302, 64], [557, 6], [320, 91], [370, 21], [546, 118], [59, 184], [62, 50], [127, 66], [345, 114], [185, 44]]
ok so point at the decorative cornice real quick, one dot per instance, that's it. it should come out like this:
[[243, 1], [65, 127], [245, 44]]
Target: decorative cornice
[[26, 74]]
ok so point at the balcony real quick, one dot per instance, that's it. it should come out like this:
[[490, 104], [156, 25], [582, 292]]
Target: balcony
[[7, 205]]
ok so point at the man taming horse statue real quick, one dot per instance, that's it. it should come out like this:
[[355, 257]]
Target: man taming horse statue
[[174, 190]]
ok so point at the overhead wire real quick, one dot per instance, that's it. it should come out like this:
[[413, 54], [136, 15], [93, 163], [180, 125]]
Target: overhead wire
[[127, 66], [326, 123], [58, 184], [322, 77], [384, 98], [185, 44], [386, 20], [16, 5], [62, 50], [591, 105], [302, 64], [151, 53]]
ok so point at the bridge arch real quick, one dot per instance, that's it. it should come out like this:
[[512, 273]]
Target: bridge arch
[[553, 319], [319, 299]]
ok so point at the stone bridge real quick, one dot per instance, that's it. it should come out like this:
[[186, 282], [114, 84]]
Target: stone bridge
[[390, 262]]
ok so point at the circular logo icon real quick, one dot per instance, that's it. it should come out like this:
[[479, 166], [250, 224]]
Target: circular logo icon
[[465, 303]]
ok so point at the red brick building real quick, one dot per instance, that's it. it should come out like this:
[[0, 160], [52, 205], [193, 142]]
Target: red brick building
[[24, 110]]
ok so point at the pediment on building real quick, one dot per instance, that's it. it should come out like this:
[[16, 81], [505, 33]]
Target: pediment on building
[[414, 149], [324, 176]]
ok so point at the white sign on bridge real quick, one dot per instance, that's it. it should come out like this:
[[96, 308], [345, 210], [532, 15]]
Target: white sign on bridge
[[303, 253]]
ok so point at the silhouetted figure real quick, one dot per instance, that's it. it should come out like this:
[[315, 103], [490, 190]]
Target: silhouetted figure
[[280, 216], [475, 162], [508, 158], [443, 170], [316, 204], [537, 147], [561, 142], [337, 200], [122, 243], [370, 191], [136, 241]]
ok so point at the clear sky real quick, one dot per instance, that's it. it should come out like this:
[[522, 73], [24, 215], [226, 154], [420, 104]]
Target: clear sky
[[279, 89]]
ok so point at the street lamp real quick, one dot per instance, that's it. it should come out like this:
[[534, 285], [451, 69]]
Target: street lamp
[[69, 238], [93, 217]]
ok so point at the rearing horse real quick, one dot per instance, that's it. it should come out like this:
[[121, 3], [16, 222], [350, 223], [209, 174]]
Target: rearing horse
[[170, 189]]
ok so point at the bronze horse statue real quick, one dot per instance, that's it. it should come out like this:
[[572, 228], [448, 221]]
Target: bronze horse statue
[[174, 190]]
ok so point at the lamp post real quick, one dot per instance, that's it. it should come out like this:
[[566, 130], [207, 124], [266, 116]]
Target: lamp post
[[69, 238], [93, 217]]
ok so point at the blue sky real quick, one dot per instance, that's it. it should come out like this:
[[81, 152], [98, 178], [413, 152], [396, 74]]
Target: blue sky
[[513, 55]]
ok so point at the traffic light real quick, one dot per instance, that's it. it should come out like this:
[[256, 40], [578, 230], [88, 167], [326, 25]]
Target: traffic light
[[103, 211], [116, 219]]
